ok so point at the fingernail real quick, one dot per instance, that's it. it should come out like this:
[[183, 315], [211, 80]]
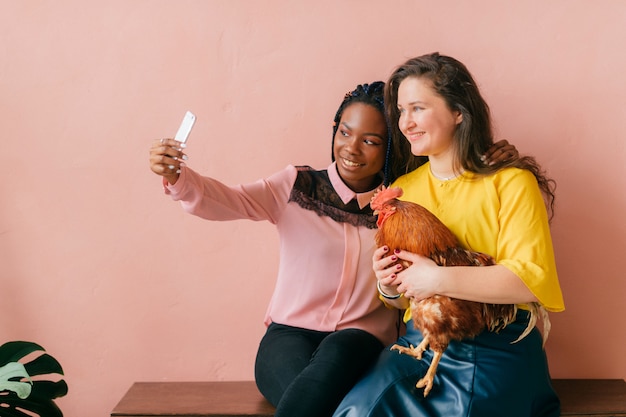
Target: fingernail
[[175, 158], [394, 258], [396, 251], [183, 145], [170, 166], [482, 158], [392, 276], [398, 267], [385, 248], [185, 157], [178, 171]]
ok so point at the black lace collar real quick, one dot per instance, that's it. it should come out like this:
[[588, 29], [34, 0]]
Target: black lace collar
[[313, 190]]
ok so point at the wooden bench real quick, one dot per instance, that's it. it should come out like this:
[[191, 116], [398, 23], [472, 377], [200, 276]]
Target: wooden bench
[[579, 397], [193, 399]]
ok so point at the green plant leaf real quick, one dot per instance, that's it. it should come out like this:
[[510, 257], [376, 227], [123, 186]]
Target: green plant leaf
[[21, 395], [43, 365], [49, 389], [14, 351], [11, 406], [13, 370]]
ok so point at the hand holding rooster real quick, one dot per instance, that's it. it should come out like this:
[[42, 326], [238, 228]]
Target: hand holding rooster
[[417, 281]]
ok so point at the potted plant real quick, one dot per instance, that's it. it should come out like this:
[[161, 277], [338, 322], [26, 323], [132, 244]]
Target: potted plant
[[24, 388]]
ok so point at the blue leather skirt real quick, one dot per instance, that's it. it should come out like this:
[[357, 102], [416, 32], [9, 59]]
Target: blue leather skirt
[[482, 377]]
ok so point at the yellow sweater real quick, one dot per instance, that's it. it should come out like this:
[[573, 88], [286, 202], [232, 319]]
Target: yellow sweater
[[503, 215]]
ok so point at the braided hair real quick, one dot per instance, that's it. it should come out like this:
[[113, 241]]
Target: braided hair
[[372, 95]]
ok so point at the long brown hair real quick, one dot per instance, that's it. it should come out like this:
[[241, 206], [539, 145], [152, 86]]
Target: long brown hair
[[474, 135]]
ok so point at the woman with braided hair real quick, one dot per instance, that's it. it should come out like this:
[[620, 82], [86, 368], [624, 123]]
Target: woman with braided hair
[[325, 322]]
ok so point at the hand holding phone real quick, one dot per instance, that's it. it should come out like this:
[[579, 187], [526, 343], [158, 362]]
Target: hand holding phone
[[185, 127]]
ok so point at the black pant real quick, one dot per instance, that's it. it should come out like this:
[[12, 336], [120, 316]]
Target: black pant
[[307, 373]]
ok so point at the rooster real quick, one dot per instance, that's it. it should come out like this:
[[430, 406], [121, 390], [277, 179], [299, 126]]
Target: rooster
[[408, 226]]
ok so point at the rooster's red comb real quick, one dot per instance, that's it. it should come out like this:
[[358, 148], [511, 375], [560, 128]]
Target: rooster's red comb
[[384, 195]]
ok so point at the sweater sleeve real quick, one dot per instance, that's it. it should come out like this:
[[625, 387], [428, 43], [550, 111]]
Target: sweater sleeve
[[210, 199]]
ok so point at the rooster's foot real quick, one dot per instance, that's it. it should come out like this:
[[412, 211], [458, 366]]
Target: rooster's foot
[[413, 351], [426, 383]]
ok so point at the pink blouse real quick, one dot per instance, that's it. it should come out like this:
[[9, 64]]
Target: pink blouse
[[325, 280]]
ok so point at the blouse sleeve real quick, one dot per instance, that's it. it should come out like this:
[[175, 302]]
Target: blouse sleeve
[[524, 243], [210, 199]]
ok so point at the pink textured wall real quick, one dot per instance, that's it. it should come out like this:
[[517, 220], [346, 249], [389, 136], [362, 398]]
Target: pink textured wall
[[99, 267]]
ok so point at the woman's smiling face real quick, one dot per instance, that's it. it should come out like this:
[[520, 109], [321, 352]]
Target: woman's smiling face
[[425, 118], [360, 146]]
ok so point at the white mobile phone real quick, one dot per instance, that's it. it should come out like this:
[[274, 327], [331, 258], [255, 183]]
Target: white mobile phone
[[185, 127]]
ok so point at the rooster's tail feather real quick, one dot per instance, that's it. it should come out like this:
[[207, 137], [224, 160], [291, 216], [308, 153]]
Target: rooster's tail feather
[[537, 311]]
